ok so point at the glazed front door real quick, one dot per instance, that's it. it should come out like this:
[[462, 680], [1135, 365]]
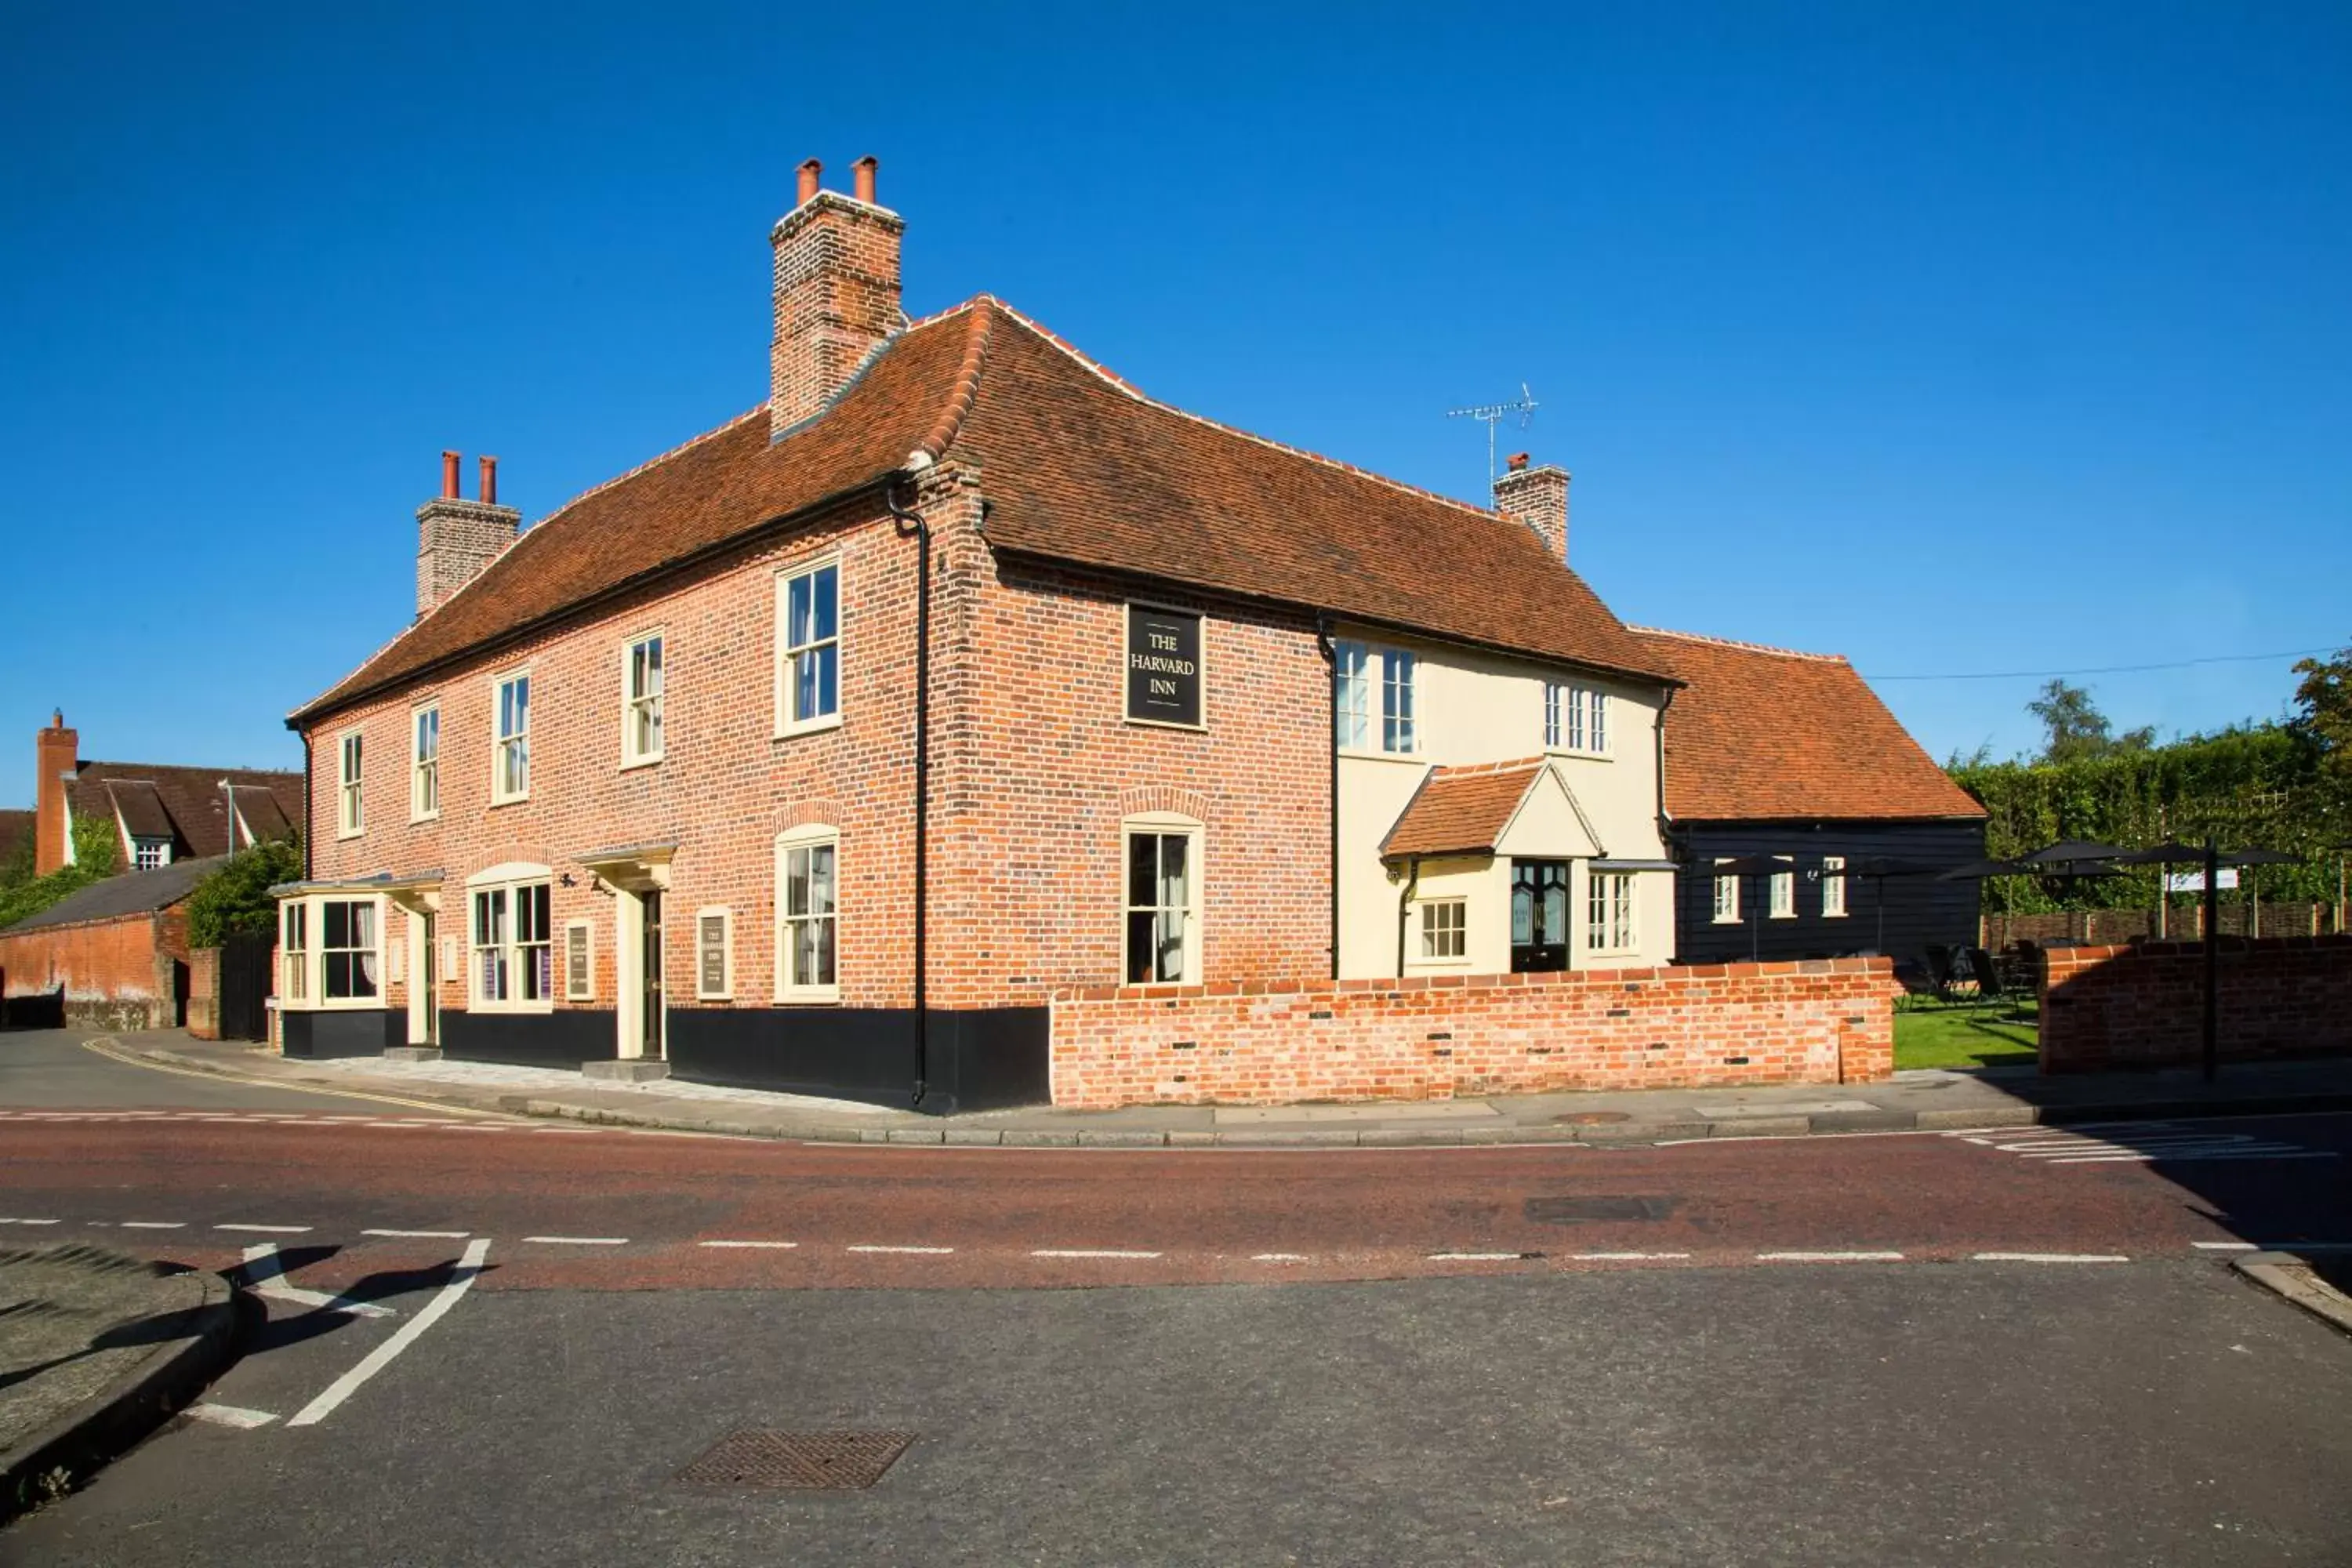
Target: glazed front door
[[652, 969], [1539, 915]]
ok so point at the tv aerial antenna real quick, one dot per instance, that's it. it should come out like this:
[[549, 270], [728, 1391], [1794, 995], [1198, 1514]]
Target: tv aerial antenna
[[1494, 414]]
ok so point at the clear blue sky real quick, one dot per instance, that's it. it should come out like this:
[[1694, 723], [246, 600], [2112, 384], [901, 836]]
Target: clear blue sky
[[2002, 337]]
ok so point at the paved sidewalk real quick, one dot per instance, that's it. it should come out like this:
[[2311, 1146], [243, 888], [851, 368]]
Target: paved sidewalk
[[96, 1348], [1923, 1100]]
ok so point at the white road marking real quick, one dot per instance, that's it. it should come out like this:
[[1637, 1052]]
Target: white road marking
[[779, 1246], [235, 1416], [434, 1234], [1829, 1257], [1087, 1252], [579, 1240], [2225, 1246], [268, 1229], [922, 1251], [2048, 1258], [265, 1270], [27, 1222], [1477, 1257], [470, 1267], [1624, 1257], [1277, 1258], [154, 1224]]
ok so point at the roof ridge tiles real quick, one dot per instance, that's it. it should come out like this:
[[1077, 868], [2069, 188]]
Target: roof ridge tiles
[[967, 384], [1737, 642]]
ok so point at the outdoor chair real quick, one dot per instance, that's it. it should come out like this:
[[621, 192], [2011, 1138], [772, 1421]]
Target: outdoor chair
[[1988, 982], [1939, 968]]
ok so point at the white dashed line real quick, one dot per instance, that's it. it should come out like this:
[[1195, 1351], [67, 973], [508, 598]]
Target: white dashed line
[[268, 1229], [2225, 1246], [1277, 1258], [919, 1252], [27, 1222], [154, 1224], [431, 1235], [2048, 1258], [233, 1415], [376, 1359], [1829, 1257], [779, 1246], [1087, 1252], [1625, 1257], [579, 1240], [1482, 1257]]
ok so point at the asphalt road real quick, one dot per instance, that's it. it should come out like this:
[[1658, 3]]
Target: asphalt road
[[2030, 1348]]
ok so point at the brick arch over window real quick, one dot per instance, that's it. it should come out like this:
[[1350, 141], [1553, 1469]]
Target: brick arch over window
[[803, 813], [1144, 799]]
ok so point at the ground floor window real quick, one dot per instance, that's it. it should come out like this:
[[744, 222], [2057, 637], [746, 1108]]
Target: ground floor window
[[514, 954], [808, 916], [1445, 929], [1608, 912], [1726, 897], [330, 952], [1832, 886], [1163, 903]]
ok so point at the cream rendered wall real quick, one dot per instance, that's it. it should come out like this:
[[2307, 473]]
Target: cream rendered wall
[[1473, 708]]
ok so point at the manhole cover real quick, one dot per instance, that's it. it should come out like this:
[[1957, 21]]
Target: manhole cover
[[1591, 1118], [825, 1461], [1568, 1211]]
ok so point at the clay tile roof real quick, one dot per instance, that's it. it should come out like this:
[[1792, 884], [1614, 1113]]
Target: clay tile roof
[[140, 806], [1766, 734], [131, 893], [1461, 811], [264, 816], [1078, 467], [183, 803]]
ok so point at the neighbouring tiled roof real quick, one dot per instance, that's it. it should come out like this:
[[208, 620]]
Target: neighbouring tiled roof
[[1461, 810], [1765, 734], [184, 804], [1078, 467], [132, 893], [264, 816]]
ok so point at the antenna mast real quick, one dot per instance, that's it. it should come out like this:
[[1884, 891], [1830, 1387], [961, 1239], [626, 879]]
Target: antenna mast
[[1493, 414]]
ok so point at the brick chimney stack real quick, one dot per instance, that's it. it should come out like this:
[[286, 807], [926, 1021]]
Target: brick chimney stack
[[1537, 497], [455, 538], [837, 292], [57, 756]]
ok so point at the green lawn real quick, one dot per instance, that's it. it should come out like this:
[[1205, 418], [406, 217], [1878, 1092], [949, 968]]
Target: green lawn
[[1930, 1034]]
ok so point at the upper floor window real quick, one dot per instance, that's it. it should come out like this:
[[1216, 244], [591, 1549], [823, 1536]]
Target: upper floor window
[[514, 955], [510, 740], [150, 854], [1832, 886], [1608, 912], [807, 915], [348, 819], [425, 763], [1576, 718], [808, 674], [641, 701], [1360, 671]]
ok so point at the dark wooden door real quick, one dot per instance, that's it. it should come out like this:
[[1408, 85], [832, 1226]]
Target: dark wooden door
[[1539, 915], [653, 972], [246, 984]]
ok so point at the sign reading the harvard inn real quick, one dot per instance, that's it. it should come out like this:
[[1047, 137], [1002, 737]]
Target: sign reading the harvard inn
[[1163, 666]]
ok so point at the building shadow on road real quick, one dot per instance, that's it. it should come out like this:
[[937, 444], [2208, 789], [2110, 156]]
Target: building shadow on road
[[274, 1323]]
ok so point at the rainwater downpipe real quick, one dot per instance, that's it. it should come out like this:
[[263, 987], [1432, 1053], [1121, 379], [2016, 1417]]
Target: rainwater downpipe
[[1331, 735], [913, 522], [309, 828], [1404, 906]]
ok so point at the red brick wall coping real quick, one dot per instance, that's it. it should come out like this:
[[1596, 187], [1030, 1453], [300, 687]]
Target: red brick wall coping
[[1565, 978]]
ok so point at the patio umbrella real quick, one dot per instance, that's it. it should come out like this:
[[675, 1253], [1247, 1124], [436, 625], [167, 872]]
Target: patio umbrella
[[1977, 870], [2067, 851], [2214, 858], [1754, 866], [1879, 868]]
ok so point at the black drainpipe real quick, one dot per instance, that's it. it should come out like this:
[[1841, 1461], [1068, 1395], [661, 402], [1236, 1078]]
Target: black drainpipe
[[913, 522], [308, 828], [1665, 824], [1331, 744], [1404, 906]]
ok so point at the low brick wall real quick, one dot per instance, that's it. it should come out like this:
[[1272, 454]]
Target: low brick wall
[[122, 973], [203, 993], [1821, 1021], [2144, 1006]]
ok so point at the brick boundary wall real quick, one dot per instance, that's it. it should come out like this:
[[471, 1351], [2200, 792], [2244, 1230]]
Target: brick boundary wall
[[203, 993], [1435, 1037], [118, 973], [2143, 1006]]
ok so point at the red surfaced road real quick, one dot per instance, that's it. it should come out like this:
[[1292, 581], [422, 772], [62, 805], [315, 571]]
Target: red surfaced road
[[1209, 1215]]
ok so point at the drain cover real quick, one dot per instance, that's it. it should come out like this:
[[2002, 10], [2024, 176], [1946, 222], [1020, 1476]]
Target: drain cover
[[821, 1461], [1568, 1211], [1591, 1118]]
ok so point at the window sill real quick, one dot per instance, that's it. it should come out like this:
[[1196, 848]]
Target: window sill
[[720, 997], [808, 727], [476, 1005], [345, 835], [498, 800], [337, 1005], [416, 819], [1369, 756], [1579, 754], [1438, 964], [631, 764], [809, 996], [1727, 921], [1789, 915]]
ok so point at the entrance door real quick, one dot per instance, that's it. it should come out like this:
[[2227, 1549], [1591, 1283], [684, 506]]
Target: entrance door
[[431, 999], [651, 966], [1539, 915]]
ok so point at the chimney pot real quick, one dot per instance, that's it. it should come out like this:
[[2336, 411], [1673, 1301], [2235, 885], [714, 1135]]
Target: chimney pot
[[489, 482], [864, 170], [809, 172], [449, 476], [1517, 461]]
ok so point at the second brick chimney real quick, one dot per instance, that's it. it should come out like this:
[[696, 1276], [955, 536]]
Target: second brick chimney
[[57, 757], [455, 538], [837, 293], [1537, 497]]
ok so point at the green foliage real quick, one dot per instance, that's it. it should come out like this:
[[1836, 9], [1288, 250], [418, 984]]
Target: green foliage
[[2075, 730], [95, 859], [2259, 787], [236, 897], [17, 869], [2324, 718]]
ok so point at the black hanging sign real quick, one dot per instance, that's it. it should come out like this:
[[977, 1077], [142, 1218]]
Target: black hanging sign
[[1163, 666]]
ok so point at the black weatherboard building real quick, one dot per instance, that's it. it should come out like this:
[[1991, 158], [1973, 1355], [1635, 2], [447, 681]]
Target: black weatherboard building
[[1785, 779]]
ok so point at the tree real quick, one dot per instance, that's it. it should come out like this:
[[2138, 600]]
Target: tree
[[2074, 728], [236, 897], [96, 858], [2323, 717]]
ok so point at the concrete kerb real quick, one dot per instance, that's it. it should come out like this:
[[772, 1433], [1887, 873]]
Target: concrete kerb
[[60, 1456], [2285, 1275]]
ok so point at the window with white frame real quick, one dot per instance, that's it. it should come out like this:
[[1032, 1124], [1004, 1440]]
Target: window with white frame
[[1783, 905], [807, 915], [425, 763], [1727, 895], [150, 854], [1163, 900], [641, 701], [514, 956], [714, 954], [349, 821], [511, 739], [1608, 912], [579, 961], [294, 952], [1444, 929], [808, 656], [1832, 887], [1360, 671], [349, 960], [1576, 718]]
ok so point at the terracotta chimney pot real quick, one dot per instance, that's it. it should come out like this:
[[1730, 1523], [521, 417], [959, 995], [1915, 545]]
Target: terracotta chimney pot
[[810, 173]]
